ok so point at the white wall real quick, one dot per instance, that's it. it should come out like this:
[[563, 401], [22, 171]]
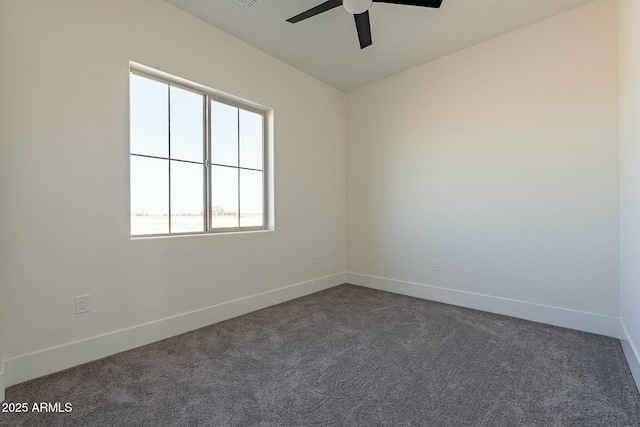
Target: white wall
[[64, 203], [502, 162], [630, 180]]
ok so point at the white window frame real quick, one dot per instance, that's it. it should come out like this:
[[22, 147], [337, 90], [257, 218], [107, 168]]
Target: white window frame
[[208, 96]]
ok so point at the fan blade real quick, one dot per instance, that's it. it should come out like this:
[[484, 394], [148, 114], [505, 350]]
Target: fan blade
[[364, 29], [328, 5], [423, 3]]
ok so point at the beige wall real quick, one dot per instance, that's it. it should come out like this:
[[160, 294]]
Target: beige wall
[[501, 161], [630, 179], [64, 202]]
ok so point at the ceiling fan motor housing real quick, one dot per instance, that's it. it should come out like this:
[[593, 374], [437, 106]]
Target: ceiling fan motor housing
[[357, 6]]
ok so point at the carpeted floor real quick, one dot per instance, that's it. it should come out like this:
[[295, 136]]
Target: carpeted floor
[[350, 356]]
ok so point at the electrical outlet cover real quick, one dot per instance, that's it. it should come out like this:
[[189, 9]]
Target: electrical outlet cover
[[82, 304]]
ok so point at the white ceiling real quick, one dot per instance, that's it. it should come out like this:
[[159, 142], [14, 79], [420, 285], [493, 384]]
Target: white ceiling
[[326, 46]]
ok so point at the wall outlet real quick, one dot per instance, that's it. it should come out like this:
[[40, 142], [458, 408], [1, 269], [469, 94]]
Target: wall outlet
[[82, 304], [314, 260], [435, 265]]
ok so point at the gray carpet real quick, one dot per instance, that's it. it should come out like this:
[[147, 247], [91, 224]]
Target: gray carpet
[[350, 356]]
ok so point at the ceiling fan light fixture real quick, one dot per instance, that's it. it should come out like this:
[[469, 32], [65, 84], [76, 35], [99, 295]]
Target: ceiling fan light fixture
[[357, 6]]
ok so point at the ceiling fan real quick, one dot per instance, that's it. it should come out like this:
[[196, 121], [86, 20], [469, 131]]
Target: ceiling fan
[[360, 11]]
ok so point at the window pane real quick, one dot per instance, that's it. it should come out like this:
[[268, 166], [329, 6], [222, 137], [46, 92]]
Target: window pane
[[251, 202], [224, 134], [186, 112], [251, 137], [224, 197], [186, 197], [149, 196], [149, 117]]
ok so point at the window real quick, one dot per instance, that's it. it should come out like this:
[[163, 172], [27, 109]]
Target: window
[[197, 160]]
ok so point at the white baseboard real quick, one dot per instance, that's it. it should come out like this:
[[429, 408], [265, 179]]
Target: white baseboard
[[48, 361], [557, 316], [34, 365], [1, 381], [631, 353]]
